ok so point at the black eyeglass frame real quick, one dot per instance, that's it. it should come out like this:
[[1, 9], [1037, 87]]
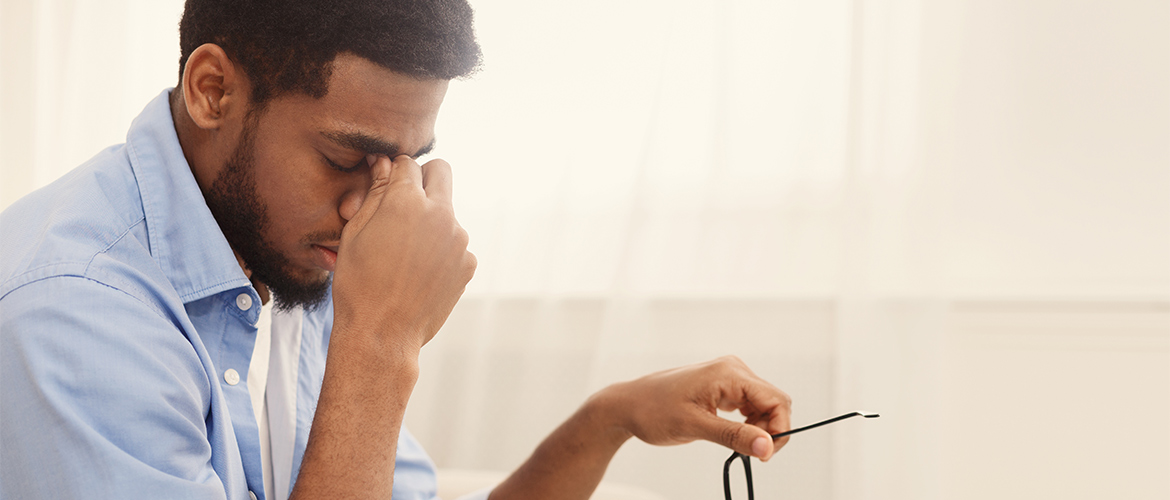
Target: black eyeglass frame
[[747, 464]]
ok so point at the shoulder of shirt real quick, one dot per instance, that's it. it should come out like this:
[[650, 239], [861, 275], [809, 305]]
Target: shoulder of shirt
[[89, 223]]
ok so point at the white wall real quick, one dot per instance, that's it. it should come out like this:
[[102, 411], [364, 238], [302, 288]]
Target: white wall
[[1054, 117]]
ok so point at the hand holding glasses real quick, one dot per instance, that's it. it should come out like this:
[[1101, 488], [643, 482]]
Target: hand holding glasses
[[747, 466]]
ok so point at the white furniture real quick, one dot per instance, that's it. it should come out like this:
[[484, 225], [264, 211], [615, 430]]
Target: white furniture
[[454, 483]]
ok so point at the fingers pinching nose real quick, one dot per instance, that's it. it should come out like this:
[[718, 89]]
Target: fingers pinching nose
[[380, 172]]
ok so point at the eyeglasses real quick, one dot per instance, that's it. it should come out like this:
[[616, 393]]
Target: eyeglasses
[[747, 465]]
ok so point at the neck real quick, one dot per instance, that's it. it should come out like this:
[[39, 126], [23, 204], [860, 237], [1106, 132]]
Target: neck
[[261, 288]]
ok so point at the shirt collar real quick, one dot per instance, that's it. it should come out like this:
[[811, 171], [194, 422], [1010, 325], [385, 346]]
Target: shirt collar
[[184, 238]]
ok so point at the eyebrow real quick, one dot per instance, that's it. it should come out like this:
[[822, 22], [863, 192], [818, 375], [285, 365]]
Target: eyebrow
[[369, 144]]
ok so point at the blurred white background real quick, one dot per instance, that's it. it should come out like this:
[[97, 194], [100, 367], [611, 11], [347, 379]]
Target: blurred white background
[[952, 212]]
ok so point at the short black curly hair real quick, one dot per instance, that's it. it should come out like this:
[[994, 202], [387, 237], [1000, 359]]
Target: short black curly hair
[[289, 45]]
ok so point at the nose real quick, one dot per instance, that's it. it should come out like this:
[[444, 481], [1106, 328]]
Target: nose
[[355, 194]]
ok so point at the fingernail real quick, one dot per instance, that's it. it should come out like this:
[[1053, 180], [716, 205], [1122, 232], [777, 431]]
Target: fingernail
[[370, 159], [761, 446]]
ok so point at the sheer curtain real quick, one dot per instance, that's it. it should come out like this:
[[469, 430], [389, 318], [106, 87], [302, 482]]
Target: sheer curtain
[[73, 76], [646, 186], [953, 213], [723, 178]]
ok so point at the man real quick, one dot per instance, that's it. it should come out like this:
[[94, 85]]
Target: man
[[134, 291]]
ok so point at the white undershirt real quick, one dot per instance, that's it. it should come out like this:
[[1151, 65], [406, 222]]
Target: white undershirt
[[257, 389], [272, 386]]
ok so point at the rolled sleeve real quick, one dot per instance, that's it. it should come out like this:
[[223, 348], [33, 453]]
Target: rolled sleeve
[[101, 396]]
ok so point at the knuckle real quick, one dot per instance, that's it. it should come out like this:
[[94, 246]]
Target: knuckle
[[730, 434], [732, 361], [470, 263], [461, 237], [726, 365], [438, 163]]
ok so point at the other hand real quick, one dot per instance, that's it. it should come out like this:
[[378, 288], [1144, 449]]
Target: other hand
[[679, 406]]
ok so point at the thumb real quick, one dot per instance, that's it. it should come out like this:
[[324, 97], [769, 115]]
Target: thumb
[[380, 173], [743, 438]]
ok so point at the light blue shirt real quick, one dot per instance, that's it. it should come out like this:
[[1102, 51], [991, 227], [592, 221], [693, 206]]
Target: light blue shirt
[[120, 313]]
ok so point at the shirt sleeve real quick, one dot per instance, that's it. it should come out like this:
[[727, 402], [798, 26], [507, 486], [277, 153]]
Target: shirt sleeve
[[101, 396], [414, 473]]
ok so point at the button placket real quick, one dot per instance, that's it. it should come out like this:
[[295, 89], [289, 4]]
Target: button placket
[[231, 376]]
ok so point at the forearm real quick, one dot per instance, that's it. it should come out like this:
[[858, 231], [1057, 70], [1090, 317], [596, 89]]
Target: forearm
[[353, 443], [665, 408], [572, 460], [402, 264]]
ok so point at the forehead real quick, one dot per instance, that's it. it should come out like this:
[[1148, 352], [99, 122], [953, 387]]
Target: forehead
[[371, 100]]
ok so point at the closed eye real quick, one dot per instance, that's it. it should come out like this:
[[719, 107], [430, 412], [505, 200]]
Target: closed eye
[[361, 163]]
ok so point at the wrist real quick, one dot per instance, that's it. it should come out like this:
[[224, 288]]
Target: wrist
[[606, 412], [375, 349]]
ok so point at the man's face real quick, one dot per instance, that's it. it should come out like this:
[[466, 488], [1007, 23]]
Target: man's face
[[299, 171]]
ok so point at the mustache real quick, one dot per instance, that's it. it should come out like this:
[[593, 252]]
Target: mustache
[[321, 236]]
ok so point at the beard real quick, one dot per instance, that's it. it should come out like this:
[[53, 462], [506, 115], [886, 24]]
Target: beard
[[243, 218]]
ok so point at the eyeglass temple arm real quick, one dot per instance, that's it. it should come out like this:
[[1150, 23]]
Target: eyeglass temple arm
[[747, 464], [826, 422]]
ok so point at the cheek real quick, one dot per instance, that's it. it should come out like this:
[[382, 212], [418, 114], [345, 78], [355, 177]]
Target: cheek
[[300, 196]]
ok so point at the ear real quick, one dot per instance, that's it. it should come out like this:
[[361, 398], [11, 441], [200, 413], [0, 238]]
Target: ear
[[214, 90]]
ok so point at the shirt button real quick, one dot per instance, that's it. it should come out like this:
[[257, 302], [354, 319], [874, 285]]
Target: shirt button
[[252, 495], [244, 301], [231, 376]]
